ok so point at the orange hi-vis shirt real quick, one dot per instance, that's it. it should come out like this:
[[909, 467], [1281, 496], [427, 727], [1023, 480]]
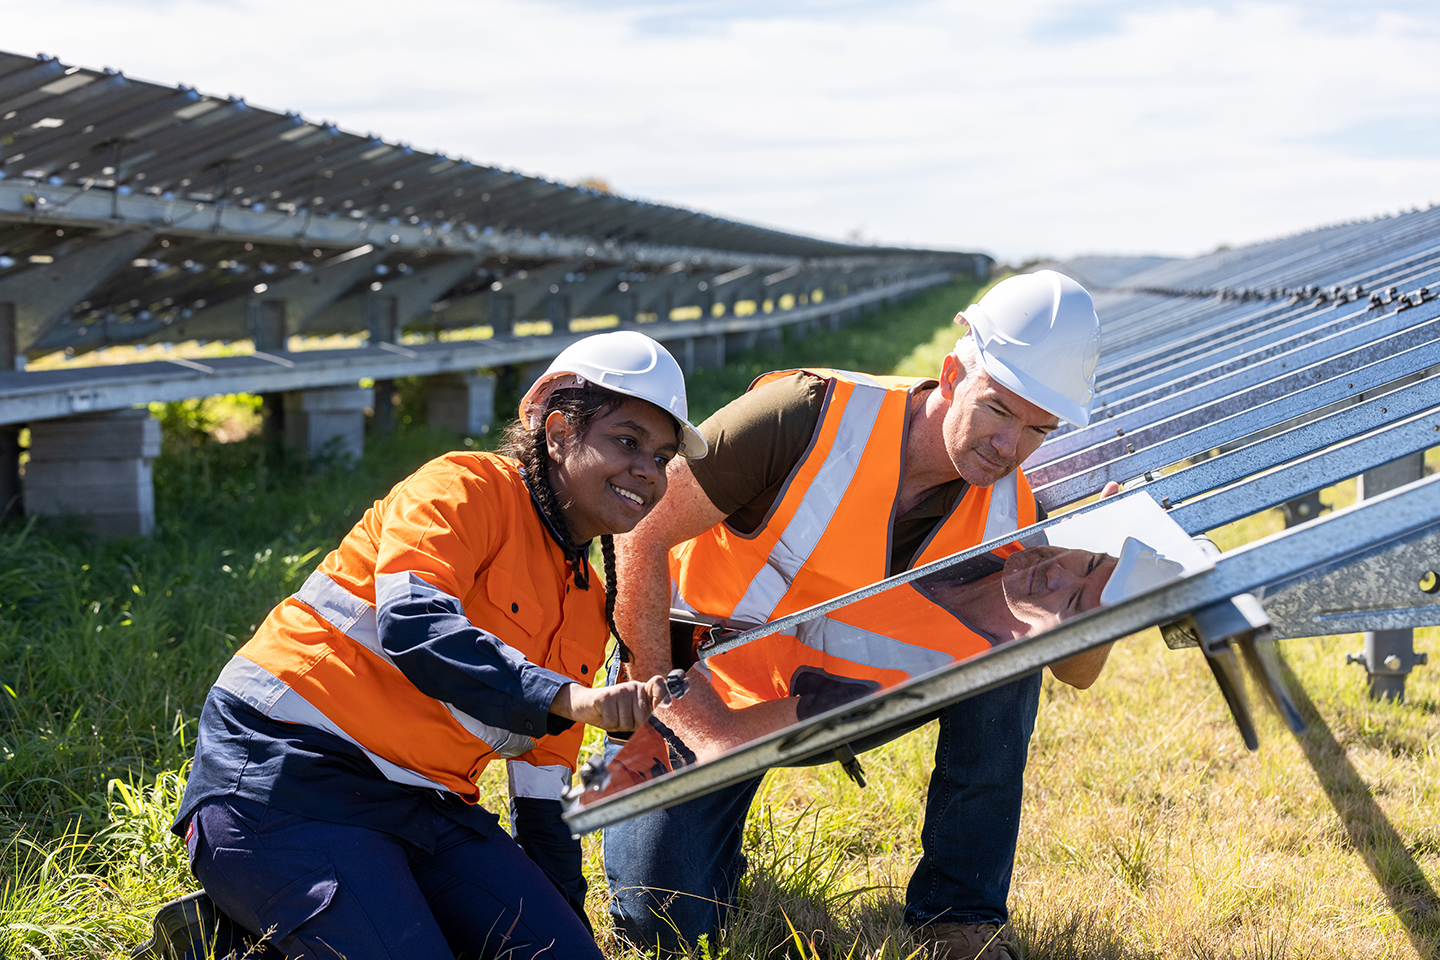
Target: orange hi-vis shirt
[[828, 534], [436, 635]]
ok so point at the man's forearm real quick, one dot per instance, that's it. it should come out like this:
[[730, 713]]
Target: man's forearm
[[642, 607], [642, 559], [1083, 669]]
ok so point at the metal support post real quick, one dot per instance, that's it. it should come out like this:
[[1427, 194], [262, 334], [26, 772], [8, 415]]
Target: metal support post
[[384, 322], [557, 311], [272, 425], [1303, 509], [268, 325], [10, 356], [11, 503], [625, 309], [1389, 655], [501, 309]]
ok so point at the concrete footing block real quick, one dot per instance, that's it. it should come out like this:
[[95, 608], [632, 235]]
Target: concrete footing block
[[742, 341], [328, 420], [95, 467], [684, 353], [709, 352], [463, 404]]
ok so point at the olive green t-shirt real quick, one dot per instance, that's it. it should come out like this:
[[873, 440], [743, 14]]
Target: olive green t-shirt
[[757, 440]]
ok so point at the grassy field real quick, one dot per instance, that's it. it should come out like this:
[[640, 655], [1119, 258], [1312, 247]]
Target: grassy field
[[1148, 832]]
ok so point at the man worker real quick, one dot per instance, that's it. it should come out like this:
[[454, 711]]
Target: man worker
[[818, 483]]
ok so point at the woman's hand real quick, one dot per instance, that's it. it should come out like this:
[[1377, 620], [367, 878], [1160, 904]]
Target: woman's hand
[[623, 706]]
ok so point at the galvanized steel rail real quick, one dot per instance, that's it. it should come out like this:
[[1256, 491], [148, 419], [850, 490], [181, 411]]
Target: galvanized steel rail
[[1304, 361]]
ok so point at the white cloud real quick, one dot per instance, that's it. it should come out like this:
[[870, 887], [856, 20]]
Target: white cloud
[[1039, 126]]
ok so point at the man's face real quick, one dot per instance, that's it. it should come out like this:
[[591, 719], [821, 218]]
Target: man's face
[[989, 429], [1044, 585]]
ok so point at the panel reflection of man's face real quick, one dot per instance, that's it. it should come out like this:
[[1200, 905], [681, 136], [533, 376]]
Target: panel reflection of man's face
[[1044, 585]]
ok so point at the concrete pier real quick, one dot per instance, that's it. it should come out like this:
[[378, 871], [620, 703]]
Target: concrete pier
[[462, 403], [96, 467], [327, 420], [709, 352]]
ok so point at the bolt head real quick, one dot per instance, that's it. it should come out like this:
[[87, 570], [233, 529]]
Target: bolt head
[[1392, 663]]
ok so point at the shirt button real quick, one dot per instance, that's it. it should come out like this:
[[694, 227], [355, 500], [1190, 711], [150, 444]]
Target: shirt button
[[584, 669], [514, 608], [529, 727]]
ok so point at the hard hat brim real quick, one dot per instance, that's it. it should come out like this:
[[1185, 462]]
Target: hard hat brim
[[692, 444], [1138, 569], [1051, 401]]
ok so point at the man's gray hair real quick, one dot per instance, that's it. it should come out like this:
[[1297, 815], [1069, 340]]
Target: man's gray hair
[[967, 351]]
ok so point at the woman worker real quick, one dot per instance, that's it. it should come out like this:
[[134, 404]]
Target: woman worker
[[332, 804]]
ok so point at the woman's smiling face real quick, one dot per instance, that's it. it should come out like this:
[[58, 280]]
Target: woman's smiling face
[[611, 475]]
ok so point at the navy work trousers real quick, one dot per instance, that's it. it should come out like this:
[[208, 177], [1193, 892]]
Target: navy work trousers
[[674, 873], [328, 890]]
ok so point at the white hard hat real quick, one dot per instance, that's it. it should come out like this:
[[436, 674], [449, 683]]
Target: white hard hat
[[1038, 335], [627, 362], [1140, 568]]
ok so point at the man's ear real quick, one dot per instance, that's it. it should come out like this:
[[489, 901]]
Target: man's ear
[[557, 435], [952, 371]]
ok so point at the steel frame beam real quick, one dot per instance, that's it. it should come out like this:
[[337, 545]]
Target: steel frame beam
[[1403, 516]]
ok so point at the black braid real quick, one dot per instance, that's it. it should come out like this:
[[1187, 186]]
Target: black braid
[[607, 552], [579, 406]]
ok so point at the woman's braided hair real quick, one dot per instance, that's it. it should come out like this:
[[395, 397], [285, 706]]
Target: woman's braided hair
[[580, 406]]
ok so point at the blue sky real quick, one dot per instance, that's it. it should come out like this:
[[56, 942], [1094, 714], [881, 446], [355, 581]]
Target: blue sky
[[1033, 127]]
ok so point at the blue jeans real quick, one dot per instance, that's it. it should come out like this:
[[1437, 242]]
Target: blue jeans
[[674, 873], [326, 890]]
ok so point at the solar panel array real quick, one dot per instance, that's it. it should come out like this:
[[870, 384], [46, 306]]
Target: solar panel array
[[171, 210]]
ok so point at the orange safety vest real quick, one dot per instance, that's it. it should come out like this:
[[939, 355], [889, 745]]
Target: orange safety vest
[[829, 534], [463, 527]]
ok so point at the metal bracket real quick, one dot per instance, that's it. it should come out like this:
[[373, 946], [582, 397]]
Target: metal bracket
[[1221, 629]]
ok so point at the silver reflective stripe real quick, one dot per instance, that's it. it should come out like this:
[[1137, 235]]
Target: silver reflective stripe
[[1004, 514], [270, 695], [817, 507], [536, 782], [870, 649], [341, 609], [864, 378], [356, 619]]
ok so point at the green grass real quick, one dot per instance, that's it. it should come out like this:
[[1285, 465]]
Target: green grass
[[1148, 831]]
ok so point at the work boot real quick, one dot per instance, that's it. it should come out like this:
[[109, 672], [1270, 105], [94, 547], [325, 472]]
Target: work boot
[[193, 928], [967, 941]]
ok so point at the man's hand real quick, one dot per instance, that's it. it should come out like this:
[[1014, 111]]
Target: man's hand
[[1083, 669], [623, 706]]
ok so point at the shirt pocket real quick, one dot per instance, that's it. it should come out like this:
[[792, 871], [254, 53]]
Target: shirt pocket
[[505, 592], [575, 659]]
